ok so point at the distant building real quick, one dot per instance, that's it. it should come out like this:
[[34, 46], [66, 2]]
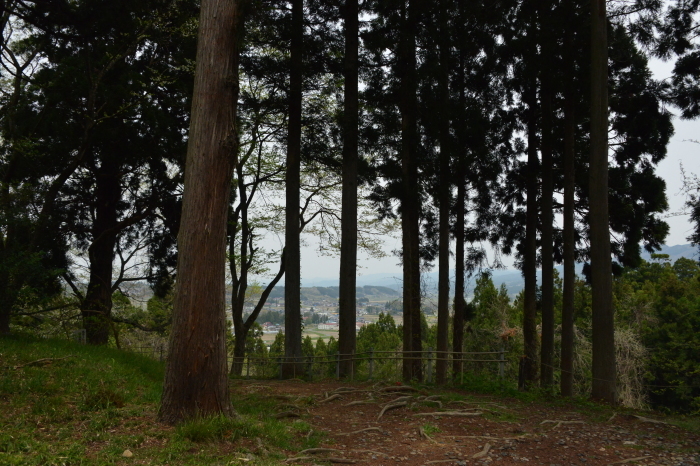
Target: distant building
[[328, 326]]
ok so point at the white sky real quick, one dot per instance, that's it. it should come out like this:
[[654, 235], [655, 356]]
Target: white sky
[[680, 150]]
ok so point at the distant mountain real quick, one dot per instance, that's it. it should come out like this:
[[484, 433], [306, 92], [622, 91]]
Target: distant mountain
[[510, 277], [676, 252]]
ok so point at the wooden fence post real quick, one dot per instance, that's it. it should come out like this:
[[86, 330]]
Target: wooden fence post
[[430, 365]]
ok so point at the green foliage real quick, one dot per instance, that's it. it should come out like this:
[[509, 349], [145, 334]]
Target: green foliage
[[660, 302]]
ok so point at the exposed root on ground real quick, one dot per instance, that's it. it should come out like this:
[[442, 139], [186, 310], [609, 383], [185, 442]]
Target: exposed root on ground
[[483, 452], [450, 413], [330, 398], [647, 419], [42, 362], [399, 388], [422, 434], [368, 429], [361, 402], [391, 406], [558, 423], [629, 460]]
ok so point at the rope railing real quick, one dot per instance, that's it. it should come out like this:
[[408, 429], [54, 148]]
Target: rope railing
[[365, 365]]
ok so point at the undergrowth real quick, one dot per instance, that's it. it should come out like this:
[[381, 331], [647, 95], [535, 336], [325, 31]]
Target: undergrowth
[[62, 403]]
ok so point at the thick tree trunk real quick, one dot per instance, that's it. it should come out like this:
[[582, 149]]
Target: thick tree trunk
[[348, 246], [458, 320], [196, 372], [410, 204], [292, 293], [603, 368], [547, 239], [97, 305], [567, 313], [444, 202], [529, 363]]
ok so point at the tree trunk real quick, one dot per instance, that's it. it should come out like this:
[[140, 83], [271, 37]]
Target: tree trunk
[[97, 305], [410, 205], [292, 292], [603, 367], [348, 246], [196, 371], [530, 254], [567, 313], [547, 350], [458, 320], [444, 202]]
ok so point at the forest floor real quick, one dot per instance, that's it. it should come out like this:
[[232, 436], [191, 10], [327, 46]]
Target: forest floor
[[453, 427], [62, 403]]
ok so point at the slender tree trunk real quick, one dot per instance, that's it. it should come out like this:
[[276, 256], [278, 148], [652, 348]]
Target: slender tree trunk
[[567, 313], [604, 371], [292, 294], [410, 205], [547, 350], [444, 202], [529, 363], [196, 371], [97, 305], [459, 303], [348, 246]]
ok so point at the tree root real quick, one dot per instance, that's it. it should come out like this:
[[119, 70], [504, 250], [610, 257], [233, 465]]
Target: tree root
[[438, 461], [559, 423], [330, 459], [377, 429], [391, 406], [399, 388], [629, 460], [372, 452], [647, 419], [487, 437], [319, 450], [450, 413], [361, 402], [346, 390], [483, 452], [330, 398], [41, 362], [400, 399], [286, 414], [478, 403], [422, 434]]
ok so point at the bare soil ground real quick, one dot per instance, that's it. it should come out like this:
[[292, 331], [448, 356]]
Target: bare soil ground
[[452, 427]]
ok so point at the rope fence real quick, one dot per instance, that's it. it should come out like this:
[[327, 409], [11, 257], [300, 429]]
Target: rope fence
[[385, 365]]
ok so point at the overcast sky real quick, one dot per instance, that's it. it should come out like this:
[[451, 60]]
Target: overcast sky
[[680, 150]]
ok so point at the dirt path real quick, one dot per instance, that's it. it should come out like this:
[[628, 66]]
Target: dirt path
[[468, 429]]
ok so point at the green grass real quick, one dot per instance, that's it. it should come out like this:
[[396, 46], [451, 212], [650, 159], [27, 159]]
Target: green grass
[[84, 405]]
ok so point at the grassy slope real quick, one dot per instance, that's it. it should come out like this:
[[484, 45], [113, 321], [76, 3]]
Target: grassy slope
[[91, 405]]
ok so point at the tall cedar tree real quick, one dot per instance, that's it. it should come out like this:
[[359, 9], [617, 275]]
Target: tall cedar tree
[[603, 369], [547, 218], [410, 202], [196, 382], [569, 233], [444, 196], [292, 287], [348, 247]]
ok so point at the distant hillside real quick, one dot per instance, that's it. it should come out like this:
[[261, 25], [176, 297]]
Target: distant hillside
[[388, 285], [373, 293]]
